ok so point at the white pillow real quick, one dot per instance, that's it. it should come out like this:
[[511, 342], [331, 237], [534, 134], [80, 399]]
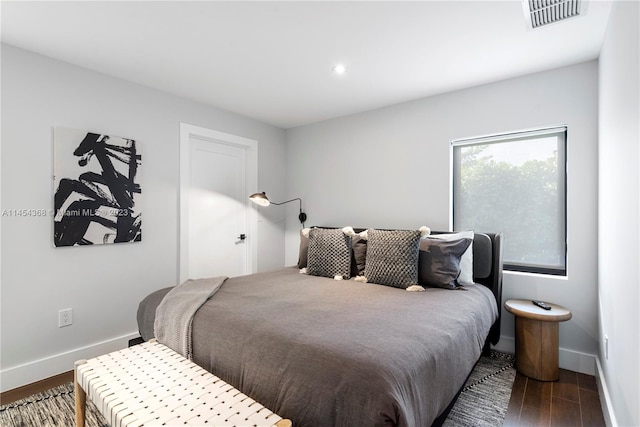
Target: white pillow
[[466, 261]]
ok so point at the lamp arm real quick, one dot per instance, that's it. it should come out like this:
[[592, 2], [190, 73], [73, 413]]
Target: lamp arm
[[297, 198], [303, 216]]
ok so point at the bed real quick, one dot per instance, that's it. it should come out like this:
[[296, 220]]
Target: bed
[[325, 352]]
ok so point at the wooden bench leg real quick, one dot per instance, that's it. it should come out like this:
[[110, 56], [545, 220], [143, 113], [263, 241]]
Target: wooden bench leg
[[81, 396]]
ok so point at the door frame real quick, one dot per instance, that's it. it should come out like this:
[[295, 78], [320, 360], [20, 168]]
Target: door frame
[[250, 146]]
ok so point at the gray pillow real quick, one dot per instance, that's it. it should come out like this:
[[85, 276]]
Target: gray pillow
[[359, 247], [440, 262], [392, 257], [329, 253], [304, 251], [466, 260]]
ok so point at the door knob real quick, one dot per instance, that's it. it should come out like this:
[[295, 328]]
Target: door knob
[[242, 237]]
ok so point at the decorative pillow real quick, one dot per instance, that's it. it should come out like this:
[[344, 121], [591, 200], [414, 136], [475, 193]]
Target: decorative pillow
[[440, 261], [466, 262], [304, 248], [392, 257], [329, 253], [359, 247]]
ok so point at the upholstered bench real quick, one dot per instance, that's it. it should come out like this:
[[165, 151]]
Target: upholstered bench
[[151, 385]]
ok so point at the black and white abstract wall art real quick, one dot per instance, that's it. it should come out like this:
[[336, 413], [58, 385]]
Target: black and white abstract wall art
[[97, 189]]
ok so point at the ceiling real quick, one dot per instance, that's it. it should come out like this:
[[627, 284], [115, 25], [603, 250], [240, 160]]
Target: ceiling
[[272, 61]]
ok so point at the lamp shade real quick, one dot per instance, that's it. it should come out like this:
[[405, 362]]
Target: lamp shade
[[260, 199]]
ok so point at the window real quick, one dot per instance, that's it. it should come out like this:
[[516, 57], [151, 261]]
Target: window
[[515, 184]]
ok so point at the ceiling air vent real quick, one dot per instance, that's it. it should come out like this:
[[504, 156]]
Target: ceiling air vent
[[543, 12]]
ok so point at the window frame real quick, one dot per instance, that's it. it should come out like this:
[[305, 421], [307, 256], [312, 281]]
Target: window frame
[[518, 136]]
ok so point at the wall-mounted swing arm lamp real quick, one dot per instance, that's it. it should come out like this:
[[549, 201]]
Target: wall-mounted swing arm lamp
[[262, 200]]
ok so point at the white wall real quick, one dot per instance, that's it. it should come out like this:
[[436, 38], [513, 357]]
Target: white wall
[[619, 213], [390, 168], [102, 284]]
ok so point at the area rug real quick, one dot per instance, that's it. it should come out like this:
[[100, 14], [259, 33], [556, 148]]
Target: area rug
[[483, 401], [485, 396], [51, 408]]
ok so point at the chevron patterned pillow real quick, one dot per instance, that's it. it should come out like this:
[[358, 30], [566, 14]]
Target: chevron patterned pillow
[[392, 257], [329, 253]]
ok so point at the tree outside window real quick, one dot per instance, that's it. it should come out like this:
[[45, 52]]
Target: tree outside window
[[515, 184]]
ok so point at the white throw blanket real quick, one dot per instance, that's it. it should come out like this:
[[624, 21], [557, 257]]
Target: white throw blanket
[[175, 312]]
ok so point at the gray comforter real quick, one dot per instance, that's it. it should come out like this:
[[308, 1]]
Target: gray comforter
[[324, 352]]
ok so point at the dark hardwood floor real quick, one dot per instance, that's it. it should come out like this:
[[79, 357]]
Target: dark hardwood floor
[[571, 401], [33, 388]]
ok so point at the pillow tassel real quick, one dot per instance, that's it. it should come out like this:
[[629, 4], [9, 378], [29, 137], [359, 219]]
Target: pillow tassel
[[424, 231], [349, 231]]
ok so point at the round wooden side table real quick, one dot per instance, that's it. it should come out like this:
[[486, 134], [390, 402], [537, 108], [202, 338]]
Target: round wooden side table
[[537, 338]]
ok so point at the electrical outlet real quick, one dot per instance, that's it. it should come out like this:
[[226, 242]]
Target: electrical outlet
[[65, 317]]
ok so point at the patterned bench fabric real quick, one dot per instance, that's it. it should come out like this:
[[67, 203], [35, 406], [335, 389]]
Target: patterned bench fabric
[[150, 384]]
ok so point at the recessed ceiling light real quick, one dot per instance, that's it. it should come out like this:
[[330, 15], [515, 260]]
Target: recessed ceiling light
[[339, 69]]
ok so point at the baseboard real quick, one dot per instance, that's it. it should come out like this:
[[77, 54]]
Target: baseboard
[[605, 398], [37, 370], [577, 361], [568, 359]]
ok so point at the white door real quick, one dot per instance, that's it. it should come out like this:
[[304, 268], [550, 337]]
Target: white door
[[217, 210], [218, 227]]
